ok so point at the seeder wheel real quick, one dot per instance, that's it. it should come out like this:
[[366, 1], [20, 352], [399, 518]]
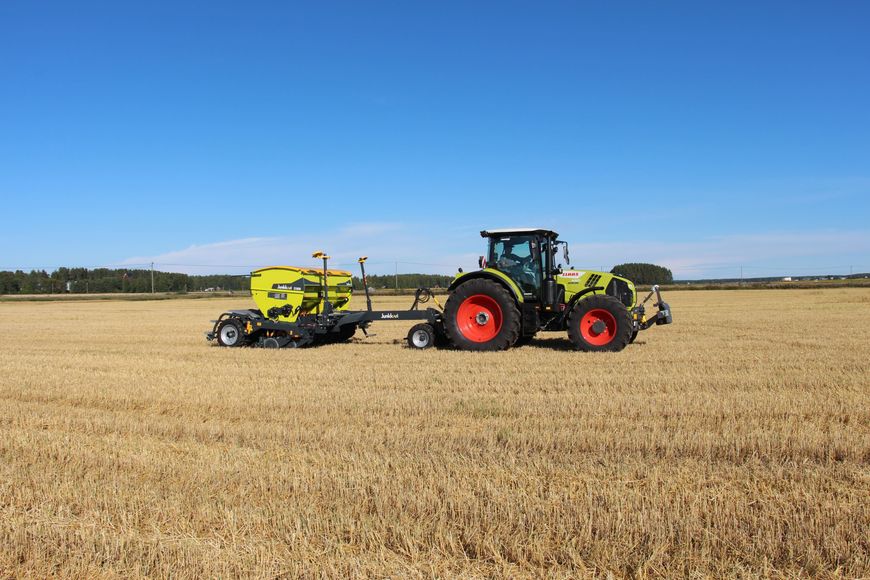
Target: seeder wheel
[[230, 333], [421, 336]]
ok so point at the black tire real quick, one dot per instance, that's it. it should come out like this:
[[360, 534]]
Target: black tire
[[615, 328], [421, 336], [230, 333], [340, 334], [345, 332], [441, 340], [487, 301], [525, 340]]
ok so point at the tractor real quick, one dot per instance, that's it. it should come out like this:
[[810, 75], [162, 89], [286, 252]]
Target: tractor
[[519, 290]]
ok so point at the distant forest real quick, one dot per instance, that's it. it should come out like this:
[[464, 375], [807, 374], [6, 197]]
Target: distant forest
[[405, 281], [104, 280], [643, 274]]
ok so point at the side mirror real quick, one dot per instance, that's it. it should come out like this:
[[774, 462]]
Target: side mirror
[[481, 261], [565, 253]]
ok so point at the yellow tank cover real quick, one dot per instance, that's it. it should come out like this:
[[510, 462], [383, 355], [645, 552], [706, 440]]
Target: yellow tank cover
[[300, 290]]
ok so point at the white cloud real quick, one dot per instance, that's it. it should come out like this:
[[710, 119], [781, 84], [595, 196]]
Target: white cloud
[[427, 249], [416, 249], [763, 254]]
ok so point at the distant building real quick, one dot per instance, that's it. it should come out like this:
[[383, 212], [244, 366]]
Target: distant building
[[787, 279]]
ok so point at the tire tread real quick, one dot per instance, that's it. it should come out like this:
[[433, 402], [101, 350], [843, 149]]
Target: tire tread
[[605, 302], [510, 313]]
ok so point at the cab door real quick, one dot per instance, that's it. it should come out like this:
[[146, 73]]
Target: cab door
[[520, 258]]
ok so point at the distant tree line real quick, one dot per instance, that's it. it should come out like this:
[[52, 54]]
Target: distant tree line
[[105, 280], [644, 273], [405, 281]]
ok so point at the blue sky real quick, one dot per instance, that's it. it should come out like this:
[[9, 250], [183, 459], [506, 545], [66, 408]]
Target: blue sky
[[218, 136]]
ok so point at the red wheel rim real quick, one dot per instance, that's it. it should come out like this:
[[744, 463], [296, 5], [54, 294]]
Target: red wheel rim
[[598, 338], [479, 318]]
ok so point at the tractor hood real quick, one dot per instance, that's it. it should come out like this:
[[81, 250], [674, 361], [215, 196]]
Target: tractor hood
[[576, 281]]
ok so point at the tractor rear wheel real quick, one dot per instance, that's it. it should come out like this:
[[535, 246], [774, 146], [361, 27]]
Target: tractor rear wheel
[[599, 323], [481, 315], [441, 340]]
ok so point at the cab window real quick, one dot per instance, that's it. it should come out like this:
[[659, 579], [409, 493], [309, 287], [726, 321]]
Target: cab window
[[519, 258]]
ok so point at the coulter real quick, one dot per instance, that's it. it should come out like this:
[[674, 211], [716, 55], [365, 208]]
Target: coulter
[[519, 290]]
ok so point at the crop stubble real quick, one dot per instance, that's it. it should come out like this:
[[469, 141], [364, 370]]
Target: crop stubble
[[736, 441]]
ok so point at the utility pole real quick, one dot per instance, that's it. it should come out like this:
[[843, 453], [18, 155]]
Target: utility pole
[[741, 275], [397, 276], [152, 277]]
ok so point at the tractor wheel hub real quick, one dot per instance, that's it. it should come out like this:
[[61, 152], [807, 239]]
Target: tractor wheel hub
[[479, 318]]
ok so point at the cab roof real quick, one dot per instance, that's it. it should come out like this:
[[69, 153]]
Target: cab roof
[[506, 231]]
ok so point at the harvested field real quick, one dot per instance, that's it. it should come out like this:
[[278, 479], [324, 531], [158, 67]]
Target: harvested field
[[734, 442]]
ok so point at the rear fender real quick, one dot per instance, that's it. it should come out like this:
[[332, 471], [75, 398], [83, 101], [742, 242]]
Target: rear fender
[[489, 274]]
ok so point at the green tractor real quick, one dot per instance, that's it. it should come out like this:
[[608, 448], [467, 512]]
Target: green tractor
[[521, 290]]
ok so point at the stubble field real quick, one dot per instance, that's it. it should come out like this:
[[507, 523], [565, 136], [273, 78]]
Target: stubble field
[[734, 442]]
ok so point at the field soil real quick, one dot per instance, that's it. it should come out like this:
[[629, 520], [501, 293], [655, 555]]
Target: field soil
[[735, 442]]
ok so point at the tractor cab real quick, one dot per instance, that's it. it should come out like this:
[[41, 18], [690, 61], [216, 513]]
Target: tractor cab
[[527, 256]]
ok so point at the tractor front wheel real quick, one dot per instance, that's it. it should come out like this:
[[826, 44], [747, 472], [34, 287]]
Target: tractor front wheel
[[481, 315], [599, 323]]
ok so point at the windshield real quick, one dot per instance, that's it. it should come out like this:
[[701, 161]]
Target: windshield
[[519, 258]]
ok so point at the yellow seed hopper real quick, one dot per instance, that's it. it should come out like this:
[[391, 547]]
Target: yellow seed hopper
[[290, 291]]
